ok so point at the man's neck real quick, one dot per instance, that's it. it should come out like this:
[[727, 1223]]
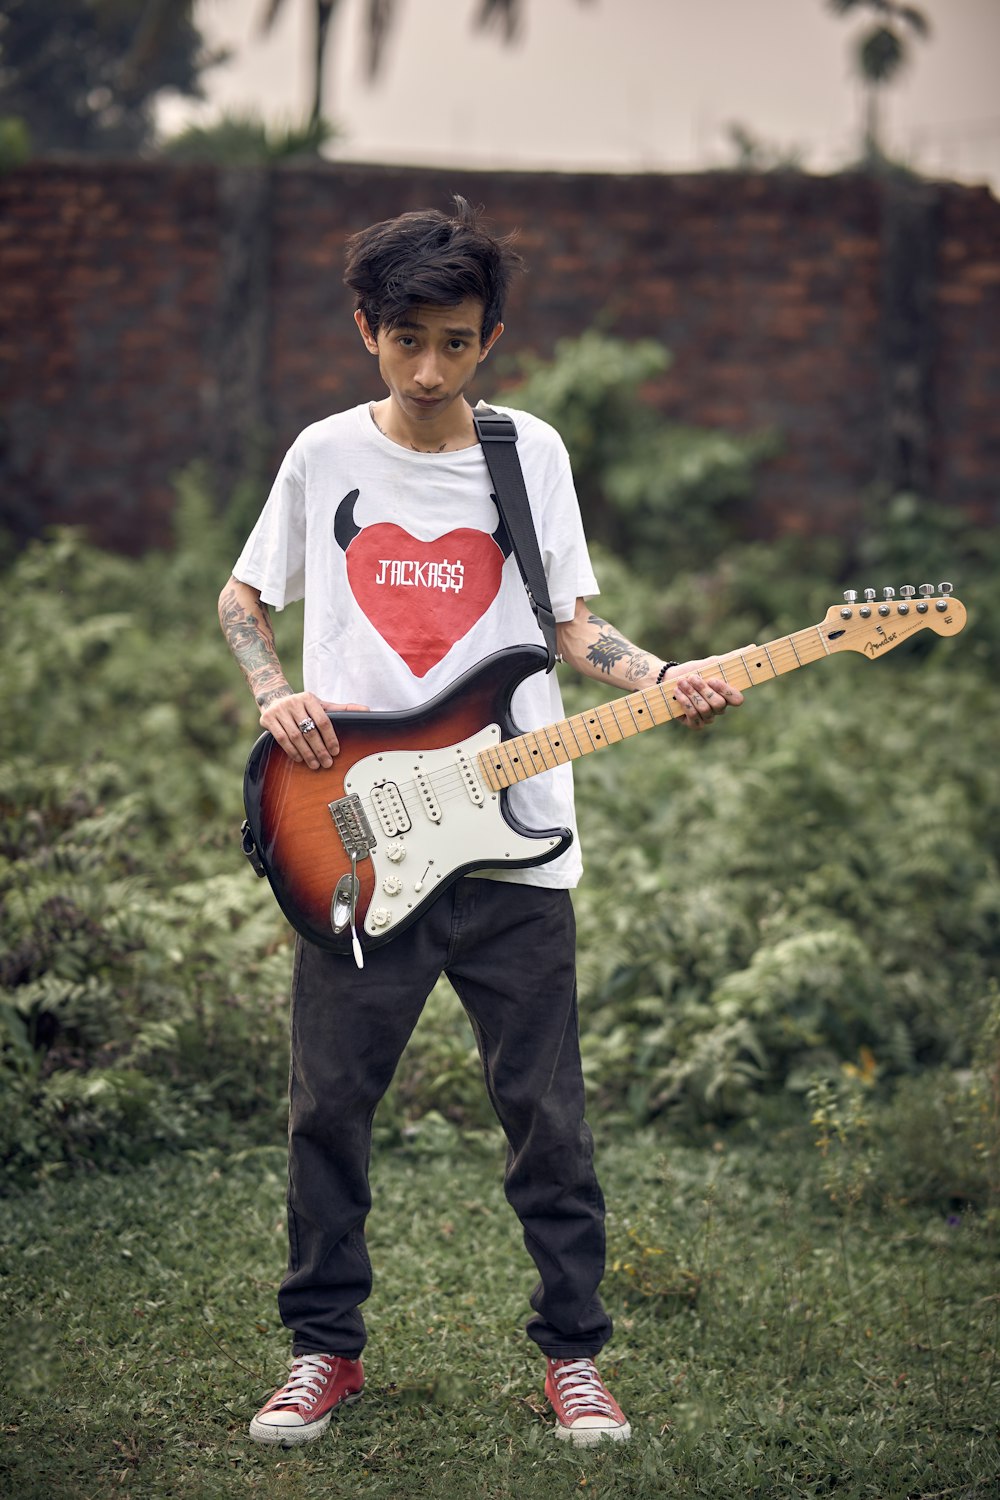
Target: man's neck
[[452, 430]]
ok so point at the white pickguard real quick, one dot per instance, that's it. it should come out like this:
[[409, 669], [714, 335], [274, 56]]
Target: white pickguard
[[454, 820]]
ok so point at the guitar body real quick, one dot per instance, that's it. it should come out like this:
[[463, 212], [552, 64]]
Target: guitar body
[[405, 794]]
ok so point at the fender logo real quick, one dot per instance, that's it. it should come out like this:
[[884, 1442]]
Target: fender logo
[[874, 647]]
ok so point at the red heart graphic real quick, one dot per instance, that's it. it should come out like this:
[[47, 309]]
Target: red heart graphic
[[422, 597]]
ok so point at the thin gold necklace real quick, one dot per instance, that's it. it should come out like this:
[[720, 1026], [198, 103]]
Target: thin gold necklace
[[413, 446]]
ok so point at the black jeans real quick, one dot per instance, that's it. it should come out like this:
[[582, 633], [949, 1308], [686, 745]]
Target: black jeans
[[509, 952]]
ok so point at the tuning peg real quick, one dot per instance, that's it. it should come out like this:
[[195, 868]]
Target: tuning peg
[[888, 594], [851, 595], [907, 591], [850, 598], [869, 596], [945, 588]]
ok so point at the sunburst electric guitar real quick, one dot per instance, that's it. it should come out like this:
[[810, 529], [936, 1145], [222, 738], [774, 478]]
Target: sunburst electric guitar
[[413, 800]]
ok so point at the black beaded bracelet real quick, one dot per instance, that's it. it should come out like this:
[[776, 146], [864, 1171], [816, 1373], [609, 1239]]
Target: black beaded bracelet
[[664, 670]]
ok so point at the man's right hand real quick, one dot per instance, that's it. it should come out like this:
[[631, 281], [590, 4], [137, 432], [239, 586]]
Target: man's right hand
[[301, 727]]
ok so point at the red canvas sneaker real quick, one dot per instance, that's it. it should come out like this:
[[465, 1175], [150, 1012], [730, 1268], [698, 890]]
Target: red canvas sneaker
[[301, 1409], [585, 1409]]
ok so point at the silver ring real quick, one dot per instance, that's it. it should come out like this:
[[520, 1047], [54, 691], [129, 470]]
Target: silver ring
[[306, 726]]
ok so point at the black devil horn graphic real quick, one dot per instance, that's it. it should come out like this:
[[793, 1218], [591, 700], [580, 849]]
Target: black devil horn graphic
[[344, 527]]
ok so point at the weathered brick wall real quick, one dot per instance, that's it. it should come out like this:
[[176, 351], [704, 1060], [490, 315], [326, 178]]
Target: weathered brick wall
[[150, 315]]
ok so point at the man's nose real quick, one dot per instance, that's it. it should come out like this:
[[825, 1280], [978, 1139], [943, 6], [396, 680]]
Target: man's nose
[[428, 375]]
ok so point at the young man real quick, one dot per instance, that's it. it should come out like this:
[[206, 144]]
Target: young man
[[381, 519]]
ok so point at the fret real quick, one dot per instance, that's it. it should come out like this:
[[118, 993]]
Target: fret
[[613, 706], [531, 755], [558, 751], [585, 721], [514, 771], [609, 723], [628, 704]]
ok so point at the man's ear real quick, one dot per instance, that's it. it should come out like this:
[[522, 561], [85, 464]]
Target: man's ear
[[371, 344], [488, 343]]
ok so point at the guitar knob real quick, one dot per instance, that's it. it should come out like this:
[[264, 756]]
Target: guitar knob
[[381, 916], [395, 850], [392, 885]]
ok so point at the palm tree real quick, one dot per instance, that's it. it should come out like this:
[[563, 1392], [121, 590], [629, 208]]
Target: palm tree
[[506, 15], [881, 54]]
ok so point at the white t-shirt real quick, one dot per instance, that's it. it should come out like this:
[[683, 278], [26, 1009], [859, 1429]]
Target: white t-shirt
[[406, 587]]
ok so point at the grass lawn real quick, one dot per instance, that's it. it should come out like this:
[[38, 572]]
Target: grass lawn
[[766, 1345]]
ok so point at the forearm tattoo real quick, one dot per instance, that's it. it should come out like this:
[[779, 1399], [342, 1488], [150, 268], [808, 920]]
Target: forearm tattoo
[[251, 640], [611, 650]]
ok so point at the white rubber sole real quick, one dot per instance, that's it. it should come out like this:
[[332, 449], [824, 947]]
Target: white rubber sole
[[589, 1437]]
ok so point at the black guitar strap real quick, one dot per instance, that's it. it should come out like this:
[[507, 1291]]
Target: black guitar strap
[[498, 435]]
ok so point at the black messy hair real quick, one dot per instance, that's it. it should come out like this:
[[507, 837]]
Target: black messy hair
[[429, 258]]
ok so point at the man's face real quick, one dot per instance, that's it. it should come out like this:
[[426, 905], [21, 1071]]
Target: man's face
[[428, 361]]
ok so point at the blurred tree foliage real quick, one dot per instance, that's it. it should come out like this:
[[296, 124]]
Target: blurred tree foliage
[[83, 76], [811, 885], [880, 55], [239, 140]]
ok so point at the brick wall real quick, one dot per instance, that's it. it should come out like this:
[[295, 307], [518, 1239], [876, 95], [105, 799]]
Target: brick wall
[[153, 314]]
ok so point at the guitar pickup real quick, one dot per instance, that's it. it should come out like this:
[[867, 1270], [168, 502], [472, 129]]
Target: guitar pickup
[[390, 809], [352, 824]]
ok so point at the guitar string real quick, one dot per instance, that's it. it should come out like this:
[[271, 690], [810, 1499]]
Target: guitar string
[[447, 782], [770, 659]]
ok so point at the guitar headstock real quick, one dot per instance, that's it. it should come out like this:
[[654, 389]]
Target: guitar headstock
[[876, 628]]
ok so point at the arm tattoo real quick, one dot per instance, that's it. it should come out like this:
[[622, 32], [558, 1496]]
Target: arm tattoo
[[251, 640], [610, 648]]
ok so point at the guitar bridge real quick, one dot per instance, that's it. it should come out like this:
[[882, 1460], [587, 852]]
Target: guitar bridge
[[352, 824]]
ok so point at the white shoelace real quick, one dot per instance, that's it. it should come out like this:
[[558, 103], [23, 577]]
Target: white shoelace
[[581, 1390], [308, 1376]]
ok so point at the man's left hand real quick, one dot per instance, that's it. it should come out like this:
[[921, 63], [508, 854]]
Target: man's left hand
[[703, 699]]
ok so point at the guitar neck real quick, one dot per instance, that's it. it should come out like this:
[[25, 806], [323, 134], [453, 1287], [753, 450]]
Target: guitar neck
[[540, 750]]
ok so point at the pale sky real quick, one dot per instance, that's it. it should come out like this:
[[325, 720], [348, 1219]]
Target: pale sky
[[616, 85]]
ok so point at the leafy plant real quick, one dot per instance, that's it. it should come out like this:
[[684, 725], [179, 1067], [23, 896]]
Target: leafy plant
[[648, 490]]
